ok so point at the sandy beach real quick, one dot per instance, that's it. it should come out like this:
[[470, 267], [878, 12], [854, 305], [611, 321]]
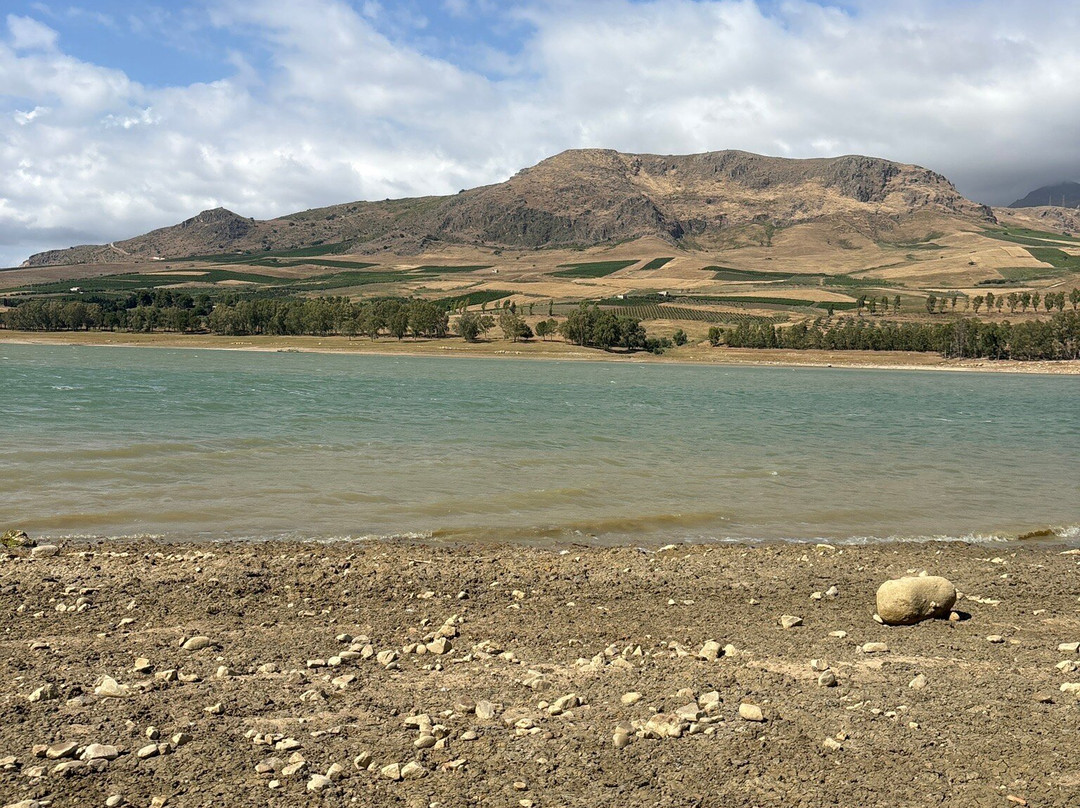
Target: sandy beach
[[291, 674], [541, 349]]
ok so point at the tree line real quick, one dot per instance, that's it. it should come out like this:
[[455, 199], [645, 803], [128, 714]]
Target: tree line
[[234, 316], [1055, 338], [164, 310]]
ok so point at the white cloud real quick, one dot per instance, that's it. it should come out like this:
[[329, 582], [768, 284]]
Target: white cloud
[[29, 34], [22, 118], [329, 109]]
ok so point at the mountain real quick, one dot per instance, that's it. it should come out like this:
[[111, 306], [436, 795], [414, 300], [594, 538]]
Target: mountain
[[579, 198], [1062, 195]]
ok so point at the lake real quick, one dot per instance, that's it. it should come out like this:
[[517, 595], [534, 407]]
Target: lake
[[200, 444]]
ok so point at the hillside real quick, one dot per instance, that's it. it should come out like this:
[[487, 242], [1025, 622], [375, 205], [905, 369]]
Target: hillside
[[580, 199], [1063, 195]]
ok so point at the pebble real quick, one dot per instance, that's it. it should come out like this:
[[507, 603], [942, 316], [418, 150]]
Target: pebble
[[827, 679], [710, 651], [142, 665], [424, 742], [630, 698], [318, 782], [621, 738], [485, 710], [391, 772], [386, 657], [750, 712], [875, 648], [179, 739], [293, 768], [469, 735], [819, 665], [110, 688], [413, 771], [362, 761], [790, 621], [59, 751], [44, 551], [148, 751], [46, 692], [833, 744], [918, 683], [196, 643], [1070, 687], [995, 639], [113, 801], [440, 645], [563, 704], [1069, 647], [102, 751], [838, 634]]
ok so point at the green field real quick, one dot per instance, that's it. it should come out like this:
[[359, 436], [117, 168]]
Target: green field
[[473, 298], [657, 263], [655, 311], [592, 269], [732, 274], [1059, 259], [134, 281]]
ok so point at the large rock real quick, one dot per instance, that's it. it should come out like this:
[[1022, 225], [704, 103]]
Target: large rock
[[906, 601], [16, 538]]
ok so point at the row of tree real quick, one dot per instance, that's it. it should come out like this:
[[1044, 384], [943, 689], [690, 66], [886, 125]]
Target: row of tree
[[238, 317], [1056, 338], [1014, 301]]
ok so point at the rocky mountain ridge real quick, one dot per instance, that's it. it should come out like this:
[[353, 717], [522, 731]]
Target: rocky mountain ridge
[[579, 198]]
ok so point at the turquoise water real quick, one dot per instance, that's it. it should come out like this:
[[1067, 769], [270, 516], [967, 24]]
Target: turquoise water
[[191, 444]]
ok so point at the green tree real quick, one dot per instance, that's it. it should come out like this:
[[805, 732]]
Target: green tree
[[679, 337], [1074, 297], [472, 325], [715, 335], [931, 303], [513, 326]]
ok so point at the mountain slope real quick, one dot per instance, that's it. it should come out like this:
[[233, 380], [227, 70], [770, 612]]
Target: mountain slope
[[1064, 195], [579, 198]]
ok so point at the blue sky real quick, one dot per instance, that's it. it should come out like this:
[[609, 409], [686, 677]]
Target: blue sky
[[117, 117]]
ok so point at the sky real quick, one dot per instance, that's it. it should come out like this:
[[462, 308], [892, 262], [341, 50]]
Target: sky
[[118, 117]]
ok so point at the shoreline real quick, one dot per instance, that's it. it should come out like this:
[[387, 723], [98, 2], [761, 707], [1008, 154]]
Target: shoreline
[[309, 675], [691, 355]]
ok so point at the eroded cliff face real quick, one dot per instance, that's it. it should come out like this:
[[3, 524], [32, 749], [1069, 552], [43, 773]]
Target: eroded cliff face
[[577, 198]]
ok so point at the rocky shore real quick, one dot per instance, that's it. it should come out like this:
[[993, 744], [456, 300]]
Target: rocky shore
[[405, 674]]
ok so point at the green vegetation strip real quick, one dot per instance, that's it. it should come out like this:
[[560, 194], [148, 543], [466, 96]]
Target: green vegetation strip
[[593, 269], [1028, 237], [434, 270], [657, 263]]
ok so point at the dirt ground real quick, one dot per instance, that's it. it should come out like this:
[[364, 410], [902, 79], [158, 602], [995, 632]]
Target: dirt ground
[[288, 703]]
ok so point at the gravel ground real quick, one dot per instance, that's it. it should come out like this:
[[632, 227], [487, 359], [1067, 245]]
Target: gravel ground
[[550, 677]]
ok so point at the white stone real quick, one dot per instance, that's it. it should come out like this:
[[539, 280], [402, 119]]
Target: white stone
[[750, 712]]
